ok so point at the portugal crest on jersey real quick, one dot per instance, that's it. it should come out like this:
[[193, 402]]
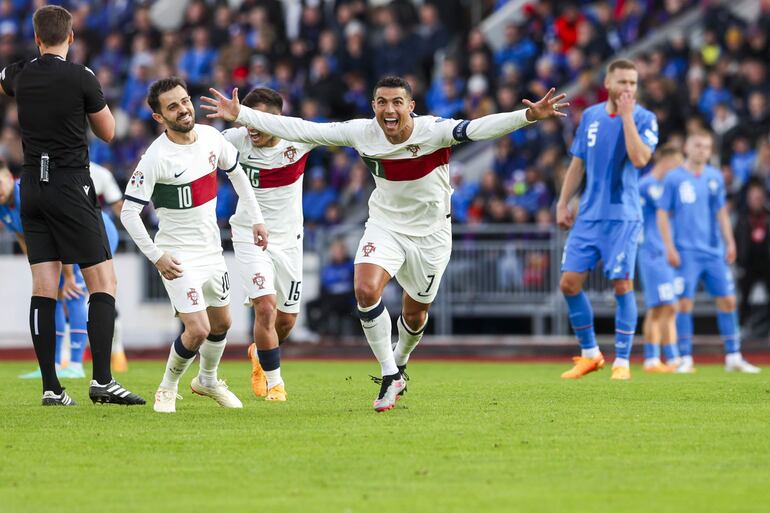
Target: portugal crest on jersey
[[259, 281], [368, 249], [212, 160], [290, 153], [193, 296], [414, 148]]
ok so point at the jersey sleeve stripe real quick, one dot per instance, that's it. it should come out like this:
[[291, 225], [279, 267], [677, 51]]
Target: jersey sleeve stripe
[[136, 200], [460, 132], [237, 156]]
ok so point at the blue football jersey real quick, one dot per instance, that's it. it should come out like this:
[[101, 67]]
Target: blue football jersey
[[650, 192], [693, 202], [611, 192], [11, 216]]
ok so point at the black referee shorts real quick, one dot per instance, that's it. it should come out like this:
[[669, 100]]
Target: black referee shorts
[[62, 218]]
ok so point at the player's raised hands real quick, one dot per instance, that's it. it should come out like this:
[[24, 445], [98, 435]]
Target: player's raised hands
[[549, 106], [565, 218], [169, 267], [626, 104], [222, 107], [260, 235]]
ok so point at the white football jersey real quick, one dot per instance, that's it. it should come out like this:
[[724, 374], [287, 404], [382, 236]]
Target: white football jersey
[[105, 184], [413, 189], [275, 174], [181, 182]]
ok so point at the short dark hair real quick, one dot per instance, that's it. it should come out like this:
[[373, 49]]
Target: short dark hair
[[161, 86], [265, 96], [667, 150], [621, 64], [393, 81], [52, 24]]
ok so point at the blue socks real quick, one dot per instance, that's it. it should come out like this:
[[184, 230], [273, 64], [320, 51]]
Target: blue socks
[[670, 351], [625, 324], [728, 328], [651, 351], [78, 317], [581, 317], [61, 326], [684, 333]]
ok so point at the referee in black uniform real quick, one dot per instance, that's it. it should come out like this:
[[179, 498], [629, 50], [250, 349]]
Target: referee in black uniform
[[59, 211]]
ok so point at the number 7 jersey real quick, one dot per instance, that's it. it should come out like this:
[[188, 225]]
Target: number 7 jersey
[[181, 182]]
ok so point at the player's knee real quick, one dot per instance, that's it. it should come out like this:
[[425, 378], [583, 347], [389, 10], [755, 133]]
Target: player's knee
[[622, 287], [569, 286], [726, 303], [367, 294], [264, 312], [220, 325], [197, 332]]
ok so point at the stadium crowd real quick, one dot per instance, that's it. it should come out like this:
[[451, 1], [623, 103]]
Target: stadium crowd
[[325, 58]]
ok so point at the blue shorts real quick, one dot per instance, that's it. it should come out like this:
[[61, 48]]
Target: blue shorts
[[613, 242], [716, 274], [659, 281], [112, 232]]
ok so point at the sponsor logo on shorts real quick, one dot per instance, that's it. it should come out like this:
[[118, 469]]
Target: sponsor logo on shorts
[[289, 304], [290, 153], [193, 296], [259, 281], [368, 249], [86, 188]]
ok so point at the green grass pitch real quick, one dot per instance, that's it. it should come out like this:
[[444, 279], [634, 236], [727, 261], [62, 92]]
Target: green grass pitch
[[468, 437]]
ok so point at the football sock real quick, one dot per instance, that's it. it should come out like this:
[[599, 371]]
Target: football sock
[[728, 328], [211, 353], [78, 314], [270, 361], [670, 351], [581, 317], [407, 340], [377, 327], [651, 353], [684, 333], [179, 359], [60, 321], [42, 313], [101, 324], [625, 324]]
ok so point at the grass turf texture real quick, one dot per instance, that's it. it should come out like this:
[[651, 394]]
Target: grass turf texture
[[467, 437]]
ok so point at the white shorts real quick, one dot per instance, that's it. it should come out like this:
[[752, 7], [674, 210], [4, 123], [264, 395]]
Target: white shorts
[[275, 271], [204, 283], [418, 263]]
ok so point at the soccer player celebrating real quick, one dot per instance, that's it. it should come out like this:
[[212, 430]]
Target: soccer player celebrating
[[273, 278], [659, 281], [178, 173], [702, 246], [615, 138], [408, 235]]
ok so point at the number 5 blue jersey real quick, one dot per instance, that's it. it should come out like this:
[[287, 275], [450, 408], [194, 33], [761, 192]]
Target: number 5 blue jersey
[[612, 192]]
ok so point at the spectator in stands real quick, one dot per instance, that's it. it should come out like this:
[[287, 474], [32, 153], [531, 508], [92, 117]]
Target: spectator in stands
[[518, 50], [318, 195], [752, 241], [332, 312]]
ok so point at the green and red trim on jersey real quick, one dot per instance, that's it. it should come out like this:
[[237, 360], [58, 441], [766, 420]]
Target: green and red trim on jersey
[[187, 195], [402, 170], [261, 178]]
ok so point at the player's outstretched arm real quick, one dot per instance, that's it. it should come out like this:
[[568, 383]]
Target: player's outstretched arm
[[664, 227], [246, 195], [727, 234], [493, 126], [565, 218], [285, 127]]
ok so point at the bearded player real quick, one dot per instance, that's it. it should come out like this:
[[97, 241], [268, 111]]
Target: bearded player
[[178, 173]]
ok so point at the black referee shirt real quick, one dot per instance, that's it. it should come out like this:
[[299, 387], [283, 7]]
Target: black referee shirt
[[53, 97]]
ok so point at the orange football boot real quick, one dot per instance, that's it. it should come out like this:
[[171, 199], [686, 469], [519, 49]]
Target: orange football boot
[[583, 366], [258, 378], [621, 373]]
